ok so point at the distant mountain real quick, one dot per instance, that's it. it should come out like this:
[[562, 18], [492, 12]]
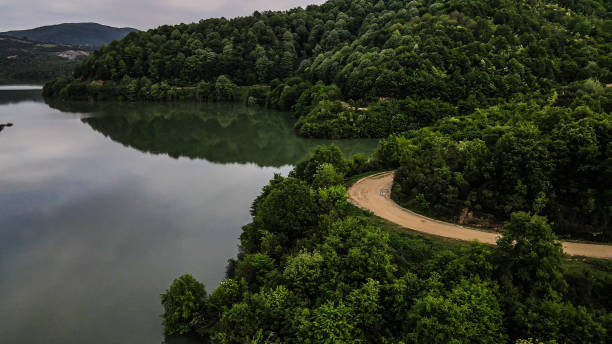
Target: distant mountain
[[25, 61], [77, 34]]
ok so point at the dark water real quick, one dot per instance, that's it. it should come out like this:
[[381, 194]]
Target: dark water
[[101, 206]]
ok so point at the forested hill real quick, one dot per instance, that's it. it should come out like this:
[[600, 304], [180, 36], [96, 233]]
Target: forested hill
[[460, 54], [496, 106], [79, 34], [24, 61]]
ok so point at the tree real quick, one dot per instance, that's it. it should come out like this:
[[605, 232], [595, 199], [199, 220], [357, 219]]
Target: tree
[[326, 176], [262, 64], [353, 252], [288, 209], [560, 322], [184, 299], [224, 88], [303, 273], [529, 257], [307, 169], [253, 268], [204, 91], [330, 323], [470, 313]]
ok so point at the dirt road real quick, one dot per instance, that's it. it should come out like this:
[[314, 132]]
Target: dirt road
[[373, 193]]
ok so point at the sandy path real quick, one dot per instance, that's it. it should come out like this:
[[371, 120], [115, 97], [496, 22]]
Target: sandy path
[[372, 193]]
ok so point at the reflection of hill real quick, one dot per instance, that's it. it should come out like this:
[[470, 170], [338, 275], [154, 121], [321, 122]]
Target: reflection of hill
[[223, 133], [18, 96]]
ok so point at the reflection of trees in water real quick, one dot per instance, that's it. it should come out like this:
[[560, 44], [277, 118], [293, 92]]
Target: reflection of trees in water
[[223, 133], [183, 339], [18, 96]]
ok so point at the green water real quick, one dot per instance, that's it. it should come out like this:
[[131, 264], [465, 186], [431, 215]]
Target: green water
[[101, 206], [220, 133]]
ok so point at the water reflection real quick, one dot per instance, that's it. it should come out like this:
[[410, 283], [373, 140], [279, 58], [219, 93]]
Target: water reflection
[[182, 339], [222, 133], [91, 232], [14, 96]]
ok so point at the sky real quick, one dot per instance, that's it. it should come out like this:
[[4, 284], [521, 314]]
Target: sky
[[140, 14]]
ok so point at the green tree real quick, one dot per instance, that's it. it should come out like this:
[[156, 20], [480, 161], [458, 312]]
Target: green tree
[[289, 208], [254, 268], [224, 88], [529, 257], [330, 323], [184, 299], [470, 313], [303, 272], [326, 176], [331, 155]]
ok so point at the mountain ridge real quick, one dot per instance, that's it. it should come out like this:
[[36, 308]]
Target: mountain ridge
[[78, 34], [26, 61]]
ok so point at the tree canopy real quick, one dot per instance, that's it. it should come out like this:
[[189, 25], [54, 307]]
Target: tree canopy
[[363, 68], [335, 275], [545, 159]]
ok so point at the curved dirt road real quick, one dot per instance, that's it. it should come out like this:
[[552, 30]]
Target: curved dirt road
[[373, 193]]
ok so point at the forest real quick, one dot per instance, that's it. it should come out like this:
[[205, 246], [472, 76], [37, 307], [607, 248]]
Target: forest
[[361, 68], [26, 61], [312, 268], [500, 109], [511, 97], [551, 160]]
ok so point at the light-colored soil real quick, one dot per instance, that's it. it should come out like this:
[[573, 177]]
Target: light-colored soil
[[373, 193], [72, 54]]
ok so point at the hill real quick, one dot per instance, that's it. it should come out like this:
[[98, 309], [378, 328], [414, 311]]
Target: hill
[[25, 61], [311, 269], [496, 106], [78, 34], [454, 54]]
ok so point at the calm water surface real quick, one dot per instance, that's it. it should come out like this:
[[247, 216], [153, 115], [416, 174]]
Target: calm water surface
[[102, 206]]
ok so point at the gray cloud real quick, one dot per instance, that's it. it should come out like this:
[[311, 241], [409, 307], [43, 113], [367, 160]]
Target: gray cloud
[[141, 14]]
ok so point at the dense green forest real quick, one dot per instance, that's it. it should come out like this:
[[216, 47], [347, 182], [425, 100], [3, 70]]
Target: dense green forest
[[313, 269], [468, 82], [551, 160], [25, 61], [363, 68], [500, 110]]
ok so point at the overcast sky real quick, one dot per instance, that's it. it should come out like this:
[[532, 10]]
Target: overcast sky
[[141, 14]]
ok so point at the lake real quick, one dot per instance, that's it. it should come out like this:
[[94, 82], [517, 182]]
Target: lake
[[103, 205]]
